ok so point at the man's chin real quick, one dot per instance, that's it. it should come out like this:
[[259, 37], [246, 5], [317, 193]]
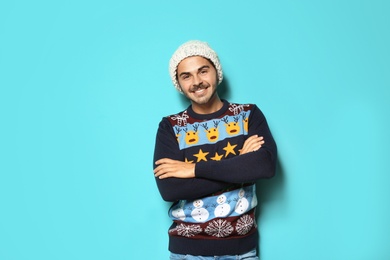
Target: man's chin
[[201, 100]]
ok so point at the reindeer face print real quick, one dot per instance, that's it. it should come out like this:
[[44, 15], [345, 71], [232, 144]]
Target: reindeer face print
[[232, 128], [192, 136], [212, 134]]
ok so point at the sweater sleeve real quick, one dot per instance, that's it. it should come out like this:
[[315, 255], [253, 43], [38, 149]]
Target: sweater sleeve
[[248, 167], [173, 189]]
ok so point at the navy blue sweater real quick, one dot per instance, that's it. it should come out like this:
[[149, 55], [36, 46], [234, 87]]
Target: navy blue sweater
[[214, 213]]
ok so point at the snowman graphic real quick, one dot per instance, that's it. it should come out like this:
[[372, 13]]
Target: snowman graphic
[[223, 208], [200, 214], [242, 203], [179, 212], [254, 198]]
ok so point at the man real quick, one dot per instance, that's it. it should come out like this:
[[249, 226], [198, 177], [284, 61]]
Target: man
[[207, 159]]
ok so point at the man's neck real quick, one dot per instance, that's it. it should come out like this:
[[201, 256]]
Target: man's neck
[[212, 106]]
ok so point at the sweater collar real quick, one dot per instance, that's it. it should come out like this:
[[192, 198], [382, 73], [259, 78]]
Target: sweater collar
[[216, 114]]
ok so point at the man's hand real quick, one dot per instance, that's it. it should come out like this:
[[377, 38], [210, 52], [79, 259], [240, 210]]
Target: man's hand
[[171, 168], [252, 144]]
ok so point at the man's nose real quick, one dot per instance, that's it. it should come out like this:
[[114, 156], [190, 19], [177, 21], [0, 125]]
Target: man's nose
[[197, 80]]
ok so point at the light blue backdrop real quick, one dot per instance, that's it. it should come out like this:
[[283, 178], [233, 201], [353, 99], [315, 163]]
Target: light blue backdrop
[[83, 85]]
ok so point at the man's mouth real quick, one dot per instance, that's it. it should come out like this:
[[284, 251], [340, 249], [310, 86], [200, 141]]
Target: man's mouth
[[199, 89]]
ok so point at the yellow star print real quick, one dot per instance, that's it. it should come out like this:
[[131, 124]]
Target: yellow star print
[[229, 149], [186, 160], [217, 157], [201, 156]]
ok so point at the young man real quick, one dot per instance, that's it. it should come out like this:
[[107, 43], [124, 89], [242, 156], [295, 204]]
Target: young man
[[207, 159]]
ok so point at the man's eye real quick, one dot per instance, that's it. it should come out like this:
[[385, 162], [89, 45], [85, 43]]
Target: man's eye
[[203, 71]]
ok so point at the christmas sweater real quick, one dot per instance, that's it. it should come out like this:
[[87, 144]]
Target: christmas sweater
[[214, 213]]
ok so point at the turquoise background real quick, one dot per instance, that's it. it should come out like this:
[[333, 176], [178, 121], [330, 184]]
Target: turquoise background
[[84, 84]]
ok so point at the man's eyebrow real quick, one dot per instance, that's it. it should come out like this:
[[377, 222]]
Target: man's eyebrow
[[184, 73], [201, 68], [204, 67]]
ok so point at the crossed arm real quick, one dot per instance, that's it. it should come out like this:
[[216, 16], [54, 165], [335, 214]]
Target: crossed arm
[[168, 168], [177, 179]]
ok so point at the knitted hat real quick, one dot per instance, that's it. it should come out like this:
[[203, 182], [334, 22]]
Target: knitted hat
[[193, 48]]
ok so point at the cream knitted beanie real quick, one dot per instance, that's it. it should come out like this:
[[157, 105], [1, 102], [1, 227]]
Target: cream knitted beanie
[[193, 48]]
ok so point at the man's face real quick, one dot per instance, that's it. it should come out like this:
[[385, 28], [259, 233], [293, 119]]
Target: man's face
[[197, 78]]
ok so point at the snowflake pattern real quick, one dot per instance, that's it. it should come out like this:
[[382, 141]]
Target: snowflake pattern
[[244, 225], [219, 228], [188, 230]]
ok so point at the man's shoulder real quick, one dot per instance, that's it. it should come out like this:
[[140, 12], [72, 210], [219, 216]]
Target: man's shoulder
[[181, 113]]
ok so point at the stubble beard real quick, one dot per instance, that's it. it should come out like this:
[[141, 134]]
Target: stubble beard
[[203, 100]]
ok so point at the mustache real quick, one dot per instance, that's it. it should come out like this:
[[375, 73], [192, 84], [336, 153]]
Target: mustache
[[199, 86]]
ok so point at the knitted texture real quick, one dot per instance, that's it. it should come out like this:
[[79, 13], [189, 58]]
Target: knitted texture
[[193, 48], [214, 213]]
